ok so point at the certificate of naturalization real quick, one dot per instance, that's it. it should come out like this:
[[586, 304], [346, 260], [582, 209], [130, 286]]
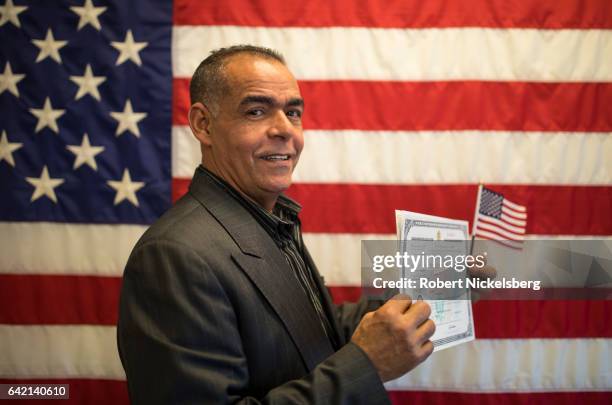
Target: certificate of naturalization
[[418, 234]]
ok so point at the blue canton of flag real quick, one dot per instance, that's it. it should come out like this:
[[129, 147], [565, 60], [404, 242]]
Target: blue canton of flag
[[85, 95], [491, 203]]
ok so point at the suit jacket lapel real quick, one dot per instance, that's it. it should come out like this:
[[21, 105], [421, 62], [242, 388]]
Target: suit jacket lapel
[[267, 268]]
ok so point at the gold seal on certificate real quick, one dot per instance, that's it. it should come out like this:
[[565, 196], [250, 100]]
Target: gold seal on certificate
[[436, 242]]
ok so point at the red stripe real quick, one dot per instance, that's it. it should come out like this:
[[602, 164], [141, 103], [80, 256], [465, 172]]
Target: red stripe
[[498, 231], [503, 398], [180, 101], [409, 13], [503, 242], [459, 105], [483, 219], [53, 299], [515, 208], [496, 235], [527, 319], [354, 208], [82, 391], [115, 392], [492, 235], [508, 220], [514, 214], [360, 208]]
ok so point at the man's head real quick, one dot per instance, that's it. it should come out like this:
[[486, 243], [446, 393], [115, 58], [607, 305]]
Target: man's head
[[247, 114], [208, 83]]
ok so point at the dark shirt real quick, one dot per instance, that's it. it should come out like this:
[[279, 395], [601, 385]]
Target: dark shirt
[[284, 226]]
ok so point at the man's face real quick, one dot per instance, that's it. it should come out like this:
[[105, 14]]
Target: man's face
[[256, 137]]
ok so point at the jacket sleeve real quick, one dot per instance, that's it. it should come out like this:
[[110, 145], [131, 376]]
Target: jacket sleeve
[[180, 344], [349, 315]]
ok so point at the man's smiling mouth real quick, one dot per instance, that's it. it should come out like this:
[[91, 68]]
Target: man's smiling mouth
[[275, 157]]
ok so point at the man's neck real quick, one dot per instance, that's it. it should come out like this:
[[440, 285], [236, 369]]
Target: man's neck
[[267, 202]]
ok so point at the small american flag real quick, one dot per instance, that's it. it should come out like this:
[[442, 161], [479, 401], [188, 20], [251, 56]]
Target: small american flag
[[499, 219]]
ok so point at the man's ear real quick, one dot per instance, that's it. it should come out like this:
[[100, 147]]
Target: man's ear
[[199, 121]]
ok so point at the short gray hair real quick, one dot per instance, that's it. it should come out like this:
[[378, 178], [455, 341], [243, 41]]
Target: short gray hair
[[208, 82]]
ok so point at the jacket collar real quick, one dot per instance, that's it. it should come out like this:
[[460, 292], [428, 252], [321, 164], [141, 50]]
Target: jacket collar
[[237, 221], [267, 268]]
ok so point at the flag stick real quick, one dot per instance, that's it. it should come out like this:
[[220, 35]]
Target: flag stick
[[475, 217]]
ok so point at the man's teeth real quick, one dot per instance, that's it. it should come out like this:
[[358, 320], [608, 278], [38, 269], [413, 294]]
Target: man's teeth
[[276, 157]]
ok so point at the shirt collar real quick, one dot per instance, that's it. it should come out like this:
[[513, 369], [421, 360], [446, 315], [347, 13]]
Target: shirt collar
[[284, 214]]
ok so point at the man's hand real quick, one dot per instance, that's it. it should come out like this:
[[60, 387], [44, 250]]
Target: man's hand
[[396, 336]]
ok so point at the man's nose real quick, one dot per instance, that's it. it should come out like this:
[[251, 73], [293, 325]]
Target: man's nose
[[281, 126]]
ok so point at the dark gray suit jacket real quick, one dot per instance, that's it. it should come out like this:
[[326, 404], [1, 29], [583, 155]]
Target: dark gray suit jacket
[[210, 313]]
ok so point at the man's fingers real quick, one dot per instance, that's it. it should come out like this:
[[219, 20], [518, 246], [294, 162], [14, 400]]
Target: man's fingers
[[399, 303], [418, 313], [426, 349], [401, 297], [425, 331]]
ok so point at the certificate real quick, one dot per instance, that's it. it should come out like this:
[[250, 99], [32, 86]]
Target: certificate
[[417, 234]]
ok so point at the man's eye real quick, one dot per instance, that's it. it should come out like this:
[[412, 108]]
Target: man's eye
[[256, 112], [294, 114]]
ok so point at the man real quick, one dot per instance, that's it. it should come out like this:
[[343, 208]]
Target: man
[[221, 301]]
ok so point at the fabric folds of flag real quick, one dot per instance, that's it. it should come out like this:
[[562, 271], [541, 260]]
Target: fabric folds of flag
[[499, 219]]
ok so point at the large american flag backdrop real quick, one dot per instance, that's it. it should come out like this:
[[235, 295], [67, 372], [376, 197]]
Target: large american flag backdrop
[[409, 105]]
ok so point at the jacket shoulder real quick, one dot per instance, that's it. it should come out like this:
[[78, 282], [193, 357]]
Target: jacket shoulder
[[187, 222]]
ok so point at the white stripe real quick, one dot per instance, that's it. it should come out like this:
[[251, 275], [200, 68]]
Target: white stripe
[[338, 256], [58, 248], [104, 249], [515, 365], [505, 365], [186, 154], [445, 157], [59, 352], [340, 53], [502, 224], [512, 221], [488, 227], [514, 207], [493, 236], [515, 214]]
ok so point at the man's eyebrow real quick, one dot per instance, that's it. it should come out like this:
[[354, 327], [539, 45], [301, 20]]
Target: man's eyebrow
[[294, 102], [257, 99]]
